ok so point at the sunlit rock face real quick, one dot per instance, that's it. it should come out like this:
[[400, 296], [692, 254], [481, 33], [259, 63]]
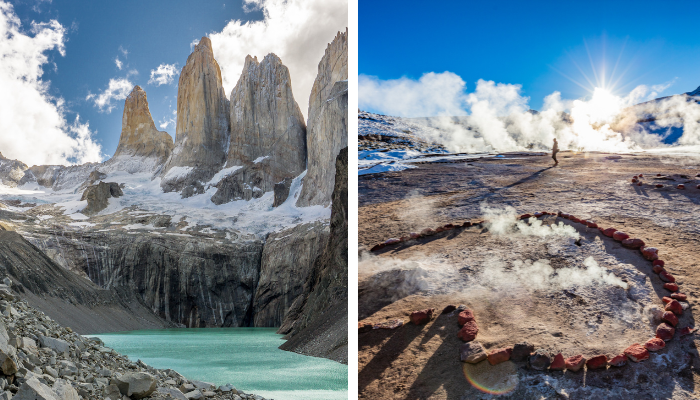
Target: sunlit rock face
[[268, 134], [201, 140], [139, 135], [327, 127]]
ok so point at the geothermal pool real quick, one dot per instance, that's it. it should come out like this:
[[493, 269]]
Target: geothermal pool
[[248, 358]]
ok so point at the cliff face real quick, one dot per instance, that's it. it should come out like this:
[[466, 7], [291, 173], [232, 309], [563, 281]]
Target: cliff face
[[287, 261], [201, 140], [328, 123], [317, 322], [139, 135]]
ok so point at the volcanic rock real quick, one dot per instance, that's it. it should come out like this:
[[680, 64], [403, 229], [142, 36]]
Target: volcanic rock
[[468, 331], [686, 331], [521, 351], [139, 135], [574, 363], [618, 361], [464, 317], [632, 243], [449, 308], [657, 269], [539, 360], [670, 317], [498, 356], [327, 130], [591, 224], [658, 262], [422, 317], [472, 352], [681, 186], [679, 296], [620, 236], [671, 286], [650, 253], [674, 306], [665, 332], [637, 352], [609, 232], [658, 185], [654, 344], [202, 130], [597, 362], [666, 300], [557, 363], [525, 216], [666, 277]]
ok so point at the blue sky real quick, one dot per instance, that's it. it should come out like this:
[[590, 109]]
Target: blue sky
[[151, 32], [60, 57], [542, 46]]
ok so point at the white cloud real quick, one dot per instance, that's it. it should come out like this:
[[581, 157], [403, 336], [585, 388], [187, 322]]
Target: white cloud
[[33, 125], [117, 89], [123, 51], [119, 63], [163, 75], [168, 122], [298, 31], [193, 43]]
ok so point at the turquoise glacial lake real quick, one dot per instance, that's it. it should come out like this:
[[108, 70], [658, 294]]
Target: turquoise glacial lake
[[248, 358]]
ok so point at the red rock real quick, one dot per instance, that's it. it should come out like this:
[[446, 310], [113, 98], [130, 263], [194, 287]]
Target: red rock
[[665, 331], [632, 243], [557, 363], [525, 216], [449, 309], [392, 241], [657, 269], [467, 224], [637, 352], [650, 253], [464, 317], [681, 186], [538, 214], [449, 226], [655, 344], [675, 307], [639, 183], [597, 362], [574, 363], [427, 232], [618, 361], [564, 215], [440, 229], [686, 331], [591, 224], [405, 238], [634, 180], [498, 356], [658, 262], [363, 327], [666, 300], [670, 318], [641, 175], [679, 296], [658, 174], [423, 316], [609, 232], [671, 286], [414, 235], [658, 185], [666, 277], [468, 331], [697, 187], [620, 236], [635, 177]]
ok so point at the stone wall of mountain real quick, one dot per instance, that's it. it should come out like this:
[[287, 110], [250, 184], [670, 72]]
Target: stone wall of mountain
[[317, 322], [327, 124]]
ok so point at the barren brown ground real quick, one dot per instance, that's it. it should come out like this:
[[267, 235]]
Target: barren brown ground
[[422, 362]]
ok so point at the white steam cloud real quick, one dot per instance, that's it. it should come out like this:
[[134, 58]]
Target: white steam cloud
[[497, 117], [540, 275], [298, 31], [33, 125], [505, 222], [163, 75]]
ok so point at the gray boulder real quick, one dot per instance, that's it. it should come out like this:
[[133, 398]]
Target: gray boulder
[[97, 196], [281, 190], [32, 389], [64, 390], [57, 345], [171, 393], [195, 394], [136, 385], [203, 385]]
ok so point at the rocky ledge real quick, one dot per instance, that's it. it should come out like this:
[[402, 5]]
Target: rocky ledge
[[41, 360]]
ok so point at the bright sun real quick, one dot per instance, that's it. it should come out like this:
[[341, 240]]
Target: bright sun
[[603, 105]]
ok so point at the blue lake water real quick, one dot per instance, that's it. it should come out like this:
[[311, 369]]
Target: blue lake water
[[248, 358]]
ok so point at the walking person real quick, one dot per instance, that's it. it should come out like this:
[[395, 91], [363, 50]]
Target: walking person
[[555, 150]]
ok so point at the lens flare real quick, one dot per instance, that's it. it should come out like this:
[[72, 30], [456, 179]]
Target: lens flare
[[496, 379]]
